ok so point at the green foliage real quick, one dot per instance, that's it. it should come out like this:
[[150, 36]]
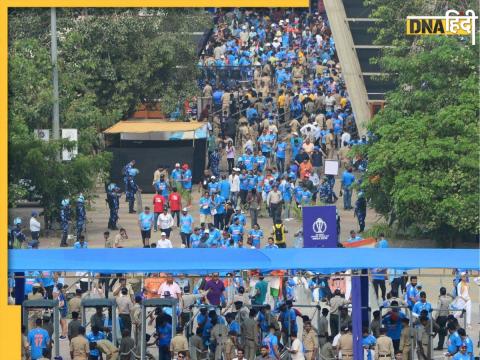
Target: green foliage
[[423, 169], [376, 229], [109, 61]]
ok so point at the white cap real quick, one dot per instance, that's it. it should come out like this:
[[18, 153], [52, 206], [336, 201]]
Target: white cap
[[252, 27], [287, 21], [177, 165], [212, 177], [244, 27], [163, 234], [185, 209], [207, 231]]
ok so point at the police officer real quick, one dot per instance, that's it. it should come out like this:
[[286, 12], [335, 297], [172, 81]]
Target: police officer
[[65, 218], [81, 215], [126, 172], [384, 347], [345, 344], [113, 195], [131, 189], [219, 337]]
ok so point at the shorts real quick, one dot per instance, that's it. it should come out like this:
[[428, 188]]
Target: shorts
[[274, 292], [146, 234], [266, 154]]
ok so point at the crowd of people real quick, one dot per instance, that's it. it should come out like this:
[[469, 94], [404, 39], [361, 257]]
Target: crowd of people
[[250, 315]]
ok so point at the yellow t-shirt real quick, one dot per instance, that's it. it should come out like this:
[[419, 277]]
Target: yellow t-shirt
[[281, 100]]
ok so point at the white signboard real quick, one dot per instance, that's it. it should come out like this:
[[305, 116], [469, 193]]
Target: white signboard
[[42, 134], [72, 135], [331, 167]]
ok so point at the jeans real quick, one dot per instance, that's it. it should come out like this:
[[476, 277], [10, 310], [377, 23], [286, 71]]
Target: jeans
[[230, 162], [155, 217], [234, 198], [347, 198], [164, 352], [219, 221], [381, 284], [185, 239], [287, 206], [176, 213], [276, 211], [253, 216], [280, 165]]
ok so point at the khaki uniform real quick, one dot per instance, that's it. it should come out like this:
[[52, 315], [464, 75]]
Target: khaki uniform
[[384, 348], [327, 351], [406, 343], [178, 343], [25, 347], [196, 347], [310, 344], [345, 346], [249, 330], [106, 347], [74, 305], [79, 347], [136, 322], [219, 335], [422, 342], [322, 331], [229, 349]]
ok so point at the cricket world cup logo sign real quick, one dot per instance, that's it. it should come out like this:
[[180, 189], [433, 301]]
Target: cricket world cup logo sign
[[319, 228]]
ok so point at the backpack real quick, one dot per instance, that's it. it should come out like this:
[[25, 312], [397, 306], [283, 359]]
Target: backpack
[[278, 231]]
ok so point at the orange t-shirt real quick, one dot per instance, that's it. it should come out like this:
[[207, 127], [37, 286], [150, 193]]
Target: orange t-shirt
[[152, 285], [304, 168]]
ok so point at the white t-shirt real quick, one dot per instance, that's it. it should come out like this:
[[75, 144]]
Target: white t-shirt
[[234, 181], [34, 224], [164, 244], [173, 289], [345, 138], [298, 347]]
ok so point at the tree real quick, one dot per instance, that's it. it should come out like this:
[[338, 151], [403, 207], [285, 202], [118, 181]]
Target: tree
[[110, 61], [423, 163]]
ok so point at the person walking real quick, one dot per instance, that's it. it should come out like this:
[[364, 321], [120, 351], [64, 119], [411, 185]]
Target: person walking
[[347, 182], [34, 230], [165, 222], [145, 222], [274, 202], [254, 201]]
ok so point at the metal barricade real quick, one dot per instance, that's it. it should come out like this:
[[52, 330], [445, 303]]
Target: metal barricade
[[29, 305], [430, 334], [148, 303], [103, 303]]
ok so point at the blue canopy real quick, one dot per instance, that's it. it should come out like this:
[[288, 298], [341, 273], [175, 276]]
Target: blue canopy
[[201, 261]]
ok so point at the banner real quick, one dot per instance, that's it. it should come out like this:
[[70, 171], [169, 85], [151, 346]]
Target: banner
[[71, 135], [320, 227]]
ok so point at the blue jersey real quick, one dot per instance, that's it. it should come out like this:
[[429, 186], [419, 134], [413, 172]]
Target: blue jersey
[[91, 337], [394, 327], [252, 182], [298, 193], [257, 236], [164, 335], [225, 189], [162, 187], [286, 190], [248, 161], [236, 231], [243, 182], [186, 223], [241, 217], [260, 161], [194, 240], [234, 326], [454, 342], [187, 179], [146, 221], [281, 150], [411, 292], [270, 341], [213, 187], [205, 206], [306, 197], [419, 306], [176, 175], [214, 238], [220, 204], [38, 340], [79, 245]]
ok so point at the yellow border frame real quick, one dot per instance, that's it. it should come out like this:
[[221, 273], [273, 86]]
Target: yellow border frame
[[10, 327]]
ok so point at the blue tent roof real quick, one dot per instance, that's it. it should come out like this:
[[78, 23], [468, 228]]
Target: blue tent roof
[[201, 261]]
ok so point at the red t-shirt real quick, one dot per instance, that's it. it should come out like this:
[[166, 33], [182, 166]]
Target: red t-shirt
[[158, 203], [175, 201]]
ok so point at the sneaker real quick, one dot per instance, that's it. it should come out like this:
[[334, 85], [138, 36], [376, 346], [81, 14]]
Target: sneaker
[[62, 337]]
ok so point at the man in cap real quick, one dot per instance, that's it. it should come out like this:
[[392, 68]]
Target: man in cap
[[80, 214], [249, 330], [113, 201], [345, 344], [186, 227], [176, 176], [65, 218]]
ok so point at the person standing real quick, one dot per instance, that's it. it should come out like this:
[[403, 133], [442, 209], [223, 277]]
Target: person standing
[[230, 151], [254, 200], [79, 347], [296, 349], [406, 337], [249, 331], [234, 181], [34, 230], [131, 190], [345, 344], [65, 218], [38, 340], [347, 182], [187, 183], [175, 203], [113, 201], [443, 307], [159, 203], [165, 222], [145, 222], [124, 308], [81, 215], [336, 302], [274, 202], [361, 210], [378, 280], [384, 347], [186, 227], [464, 301], [310, 342]]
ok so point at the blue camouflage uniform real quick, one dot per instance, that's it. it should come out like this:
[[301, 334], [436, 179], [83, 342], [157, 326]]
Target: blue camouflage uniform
[[65, 218], [113, 196], [132, 189], [81, 215]]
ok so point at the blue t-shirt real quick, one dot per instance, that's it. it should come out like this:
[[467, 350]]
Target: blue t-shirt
[[419, 306], [248, 161], [162, 187], [394, 327], [38, 340], [298, 193], [205, 206], [454, 342], [236, 231], [164, 335], [213, 187], [146, 220], [187, 179], [260, 161], [257, 236], [194, 240], [225, 189], [347, 179], [220, 204], [265, 144], [214, 238], [243, 182], [234, 326], [47, 279], [270, 341], [186, 222], [382, 244], [79, 245], [177, 174], [286, 190], [281, 149]]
